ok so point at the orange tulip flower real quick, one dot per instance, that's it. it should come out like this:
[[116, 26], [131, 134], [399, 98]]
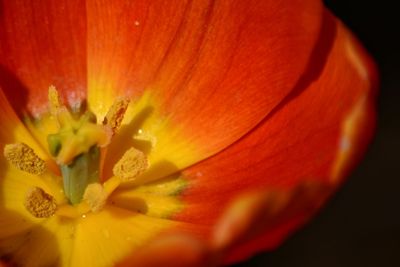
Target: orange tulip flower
[[172, 133]]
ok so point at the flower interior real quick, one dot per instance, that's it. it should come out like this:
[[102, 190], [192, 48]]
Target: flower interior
[[76, 148], [71, 195], [231, 122]]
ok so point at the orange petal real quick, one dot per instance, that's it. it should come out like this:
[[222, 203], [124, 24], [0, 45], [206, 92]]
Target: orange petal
[[252, 213], [12, 129], [299, 141], [214, 69], [42, 44]]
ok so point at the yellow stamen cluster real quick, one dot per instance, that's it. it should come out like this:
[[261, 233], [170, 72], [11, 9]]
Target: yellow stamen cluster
[[133, 163], [24, 158], [75, 147], [116, 113], [39, 203]]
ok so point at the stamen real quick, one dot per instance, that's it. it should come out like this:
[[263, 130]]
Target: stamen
[[24, 158], [95, 196], [111, 184], [67, 211], [39, 203], [116, 114], [57, 109], [133, 163], [54, 100]]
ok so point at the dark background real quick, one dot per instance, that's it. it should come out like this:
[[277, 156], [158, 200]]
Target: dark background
[[360, 226]]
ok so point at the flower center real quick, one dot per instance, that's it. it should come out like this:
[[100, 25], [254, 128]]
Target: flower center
[[78, 147]]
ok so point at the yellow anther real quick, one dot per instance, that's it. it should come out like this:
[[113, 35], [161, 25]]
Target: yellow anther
[[54, 100], [24, 158], [39, 203], [133, 163], [57, 109], [95, 196], [116, 114]]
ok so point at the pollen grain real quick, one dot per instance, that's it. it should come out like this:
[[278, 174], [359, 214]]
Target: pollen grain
[[24, 158], [39, 203], [133, 163], [116, 113], [54, 100], [95, 196]]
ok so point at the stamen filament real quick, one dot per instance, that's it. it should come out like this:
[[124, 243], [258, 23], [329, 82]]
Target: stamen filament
[[111, 184], [73, 212]]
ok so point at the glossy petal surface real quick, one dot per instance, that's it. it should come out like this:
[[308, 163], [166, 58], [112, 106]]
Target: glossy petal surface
[[300, 141], [250, 113], [43, 43], [211, 70]]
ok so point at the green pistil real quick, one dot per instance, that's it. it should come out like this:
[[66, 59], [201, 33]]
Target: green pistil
[[75, 146], [83, 171], [76, 149]]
